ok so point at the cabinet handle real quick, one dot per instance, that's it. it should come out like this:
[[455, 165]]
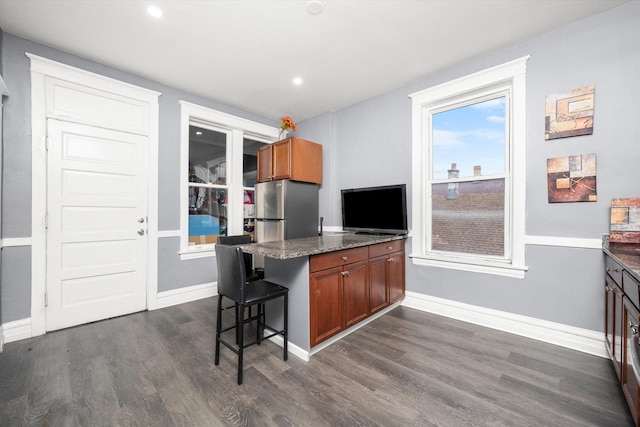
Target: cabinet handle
[[344, 258], [634, 328], [345, 273], [615, 270], [390, 260], [389, 247]]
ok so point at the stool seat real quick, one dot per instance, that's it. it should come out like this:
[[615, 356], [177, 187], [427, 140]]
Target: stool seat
[[261, 291]]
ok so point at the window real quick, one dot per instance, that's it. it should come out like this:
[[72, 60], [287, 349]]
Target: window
[[469, 172], [219, 172]]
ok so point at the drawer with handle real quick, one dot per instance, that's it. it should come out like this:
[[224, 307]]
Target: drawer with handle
[[386, 248], [614, 270], [338, 258]]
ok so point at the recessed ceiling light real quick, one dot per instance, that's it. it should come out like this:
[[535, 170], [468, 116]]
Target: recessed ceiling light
[[154, 11], [198, 133], [297, 81], [314, 7]]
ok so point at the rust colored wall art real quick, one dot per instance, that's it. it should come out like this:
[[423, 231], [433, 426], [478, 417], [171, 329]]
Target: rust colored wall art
[[572, 179], [625, 220]]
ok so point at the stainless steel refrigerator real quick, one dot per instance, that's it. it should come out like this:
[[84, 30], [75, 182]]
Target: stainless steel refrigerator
[[286, 210]]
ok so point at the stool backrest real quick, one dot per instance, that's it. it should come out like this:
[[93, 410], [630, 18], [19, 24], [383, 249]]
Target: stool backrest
[[240, 239], [231, 272]]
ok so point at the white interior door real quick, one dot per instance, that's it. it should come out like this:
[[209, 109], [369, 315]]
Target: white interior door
[[97, 240]]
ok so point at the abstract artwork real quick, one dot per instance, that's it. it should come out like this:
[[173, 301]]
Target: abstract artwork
[[625, 220], [572, 179], [570, 113]]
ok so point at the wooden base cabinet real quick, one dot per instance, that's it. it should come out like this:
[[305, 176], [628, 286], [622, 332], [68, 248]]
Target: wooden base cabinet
[[292, 158], [346, 287], [338, 292], [622, 327]]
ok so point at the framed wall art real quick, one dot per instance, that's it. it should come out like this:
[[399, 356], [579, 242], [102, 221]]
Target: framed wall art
[[572, 179], [625, 220], [570, 113]]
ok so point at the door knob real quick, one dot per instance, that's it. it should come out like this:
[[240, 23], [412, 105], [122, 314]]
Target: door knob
[[141, 232], [140, 220]]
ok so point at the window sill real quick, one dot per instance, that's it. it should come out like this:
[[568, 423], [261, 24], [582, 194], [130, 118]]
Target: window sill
[[207, 251], [507, 270]]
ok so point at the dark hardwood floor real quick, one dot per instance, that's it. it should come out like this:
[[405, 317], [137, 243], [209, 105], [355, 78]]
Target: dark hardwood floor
[[405, 368]]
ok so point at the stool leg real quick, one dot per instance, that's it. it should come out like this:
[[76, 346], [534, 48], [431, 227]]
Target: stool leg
[[238, 330], [240, 325], [285, 334], [218, 328], [259, 320]]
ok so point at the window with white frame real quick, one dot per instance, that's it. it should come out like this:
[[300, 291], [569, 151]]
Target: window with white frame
[[469, 172], [218, 174]]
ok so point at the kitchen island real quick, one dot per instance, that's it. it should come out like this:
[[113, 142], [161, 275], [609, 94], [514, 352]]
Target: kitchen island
[[353, 278]]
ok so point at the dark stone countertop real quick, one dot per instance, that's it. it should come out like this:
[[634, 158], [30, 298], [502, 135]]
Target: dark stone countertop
[[627, 254], [294, 248]]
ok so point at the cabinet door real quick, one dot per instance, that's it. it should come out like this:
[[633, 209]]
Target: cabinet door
[[378, 295], [609, 315], [631, 358], [325, 304], [395, 275], [265, 163], [356, 293], [282, 159], [613, 323], [618, 330]]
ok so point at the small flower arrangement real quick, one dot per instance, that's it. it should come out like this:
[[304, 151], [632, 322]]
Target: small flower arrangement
[[286, 124]]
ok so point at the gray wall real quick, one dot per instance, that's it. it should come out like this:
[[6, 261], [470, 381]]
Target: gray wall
[[16, 193], [372, 145]]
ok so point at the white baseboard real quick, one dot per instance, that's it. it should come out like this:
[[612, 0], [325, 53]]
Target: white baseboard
[[182, 295], [17, 330], [299, 352], [584, 340]]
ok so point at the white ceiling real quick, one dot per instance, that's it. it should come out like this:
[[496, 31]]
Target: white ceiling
[[245, 53]]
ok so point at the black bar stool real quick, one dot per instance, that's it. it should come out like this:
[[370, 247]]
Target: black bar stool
[[232, 284], [252, 274]]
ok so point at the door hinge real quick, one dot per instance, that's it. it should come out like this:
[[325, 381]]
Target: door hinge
[[46, 143], [46, 299], [46, 220]]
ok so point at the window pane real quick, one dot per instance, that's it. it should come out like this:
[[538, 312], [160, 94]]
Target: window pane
[[249, 178], [250, 161], [207, 215], [468, 217], [469, 140], [207, 156], [207, 165]]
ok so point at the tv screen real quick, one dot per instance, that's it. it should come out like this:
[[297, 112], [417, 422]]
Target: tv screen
[[375, 210]]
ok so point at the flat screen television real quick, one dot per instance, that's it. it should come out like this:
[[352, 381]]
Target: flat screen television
[[375, 210]]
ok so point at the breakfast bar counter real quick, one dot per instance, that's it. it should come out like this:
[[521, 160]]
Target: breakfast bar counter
[[286, 249], [325, 275]]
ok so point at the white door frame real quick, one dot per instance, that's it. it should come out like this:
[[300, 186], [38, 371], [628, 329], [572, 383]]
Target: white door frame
[[41, 69]]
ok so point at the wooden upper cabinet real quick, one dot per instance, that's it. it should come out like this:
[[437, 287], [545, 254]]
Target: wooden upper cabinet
[[292, 158]]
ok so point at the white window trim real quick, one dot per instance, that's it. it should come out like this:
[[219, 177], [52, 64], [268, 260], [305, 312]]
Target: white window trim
[[237, 128], [515, 73]]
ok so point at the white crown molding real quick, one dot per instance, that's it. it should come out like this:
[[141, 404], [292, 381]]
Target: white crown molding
[[584, 340]]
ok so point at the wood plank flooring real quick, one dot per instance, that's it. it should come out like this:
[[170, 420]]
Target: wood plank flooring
[[407, 368]]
